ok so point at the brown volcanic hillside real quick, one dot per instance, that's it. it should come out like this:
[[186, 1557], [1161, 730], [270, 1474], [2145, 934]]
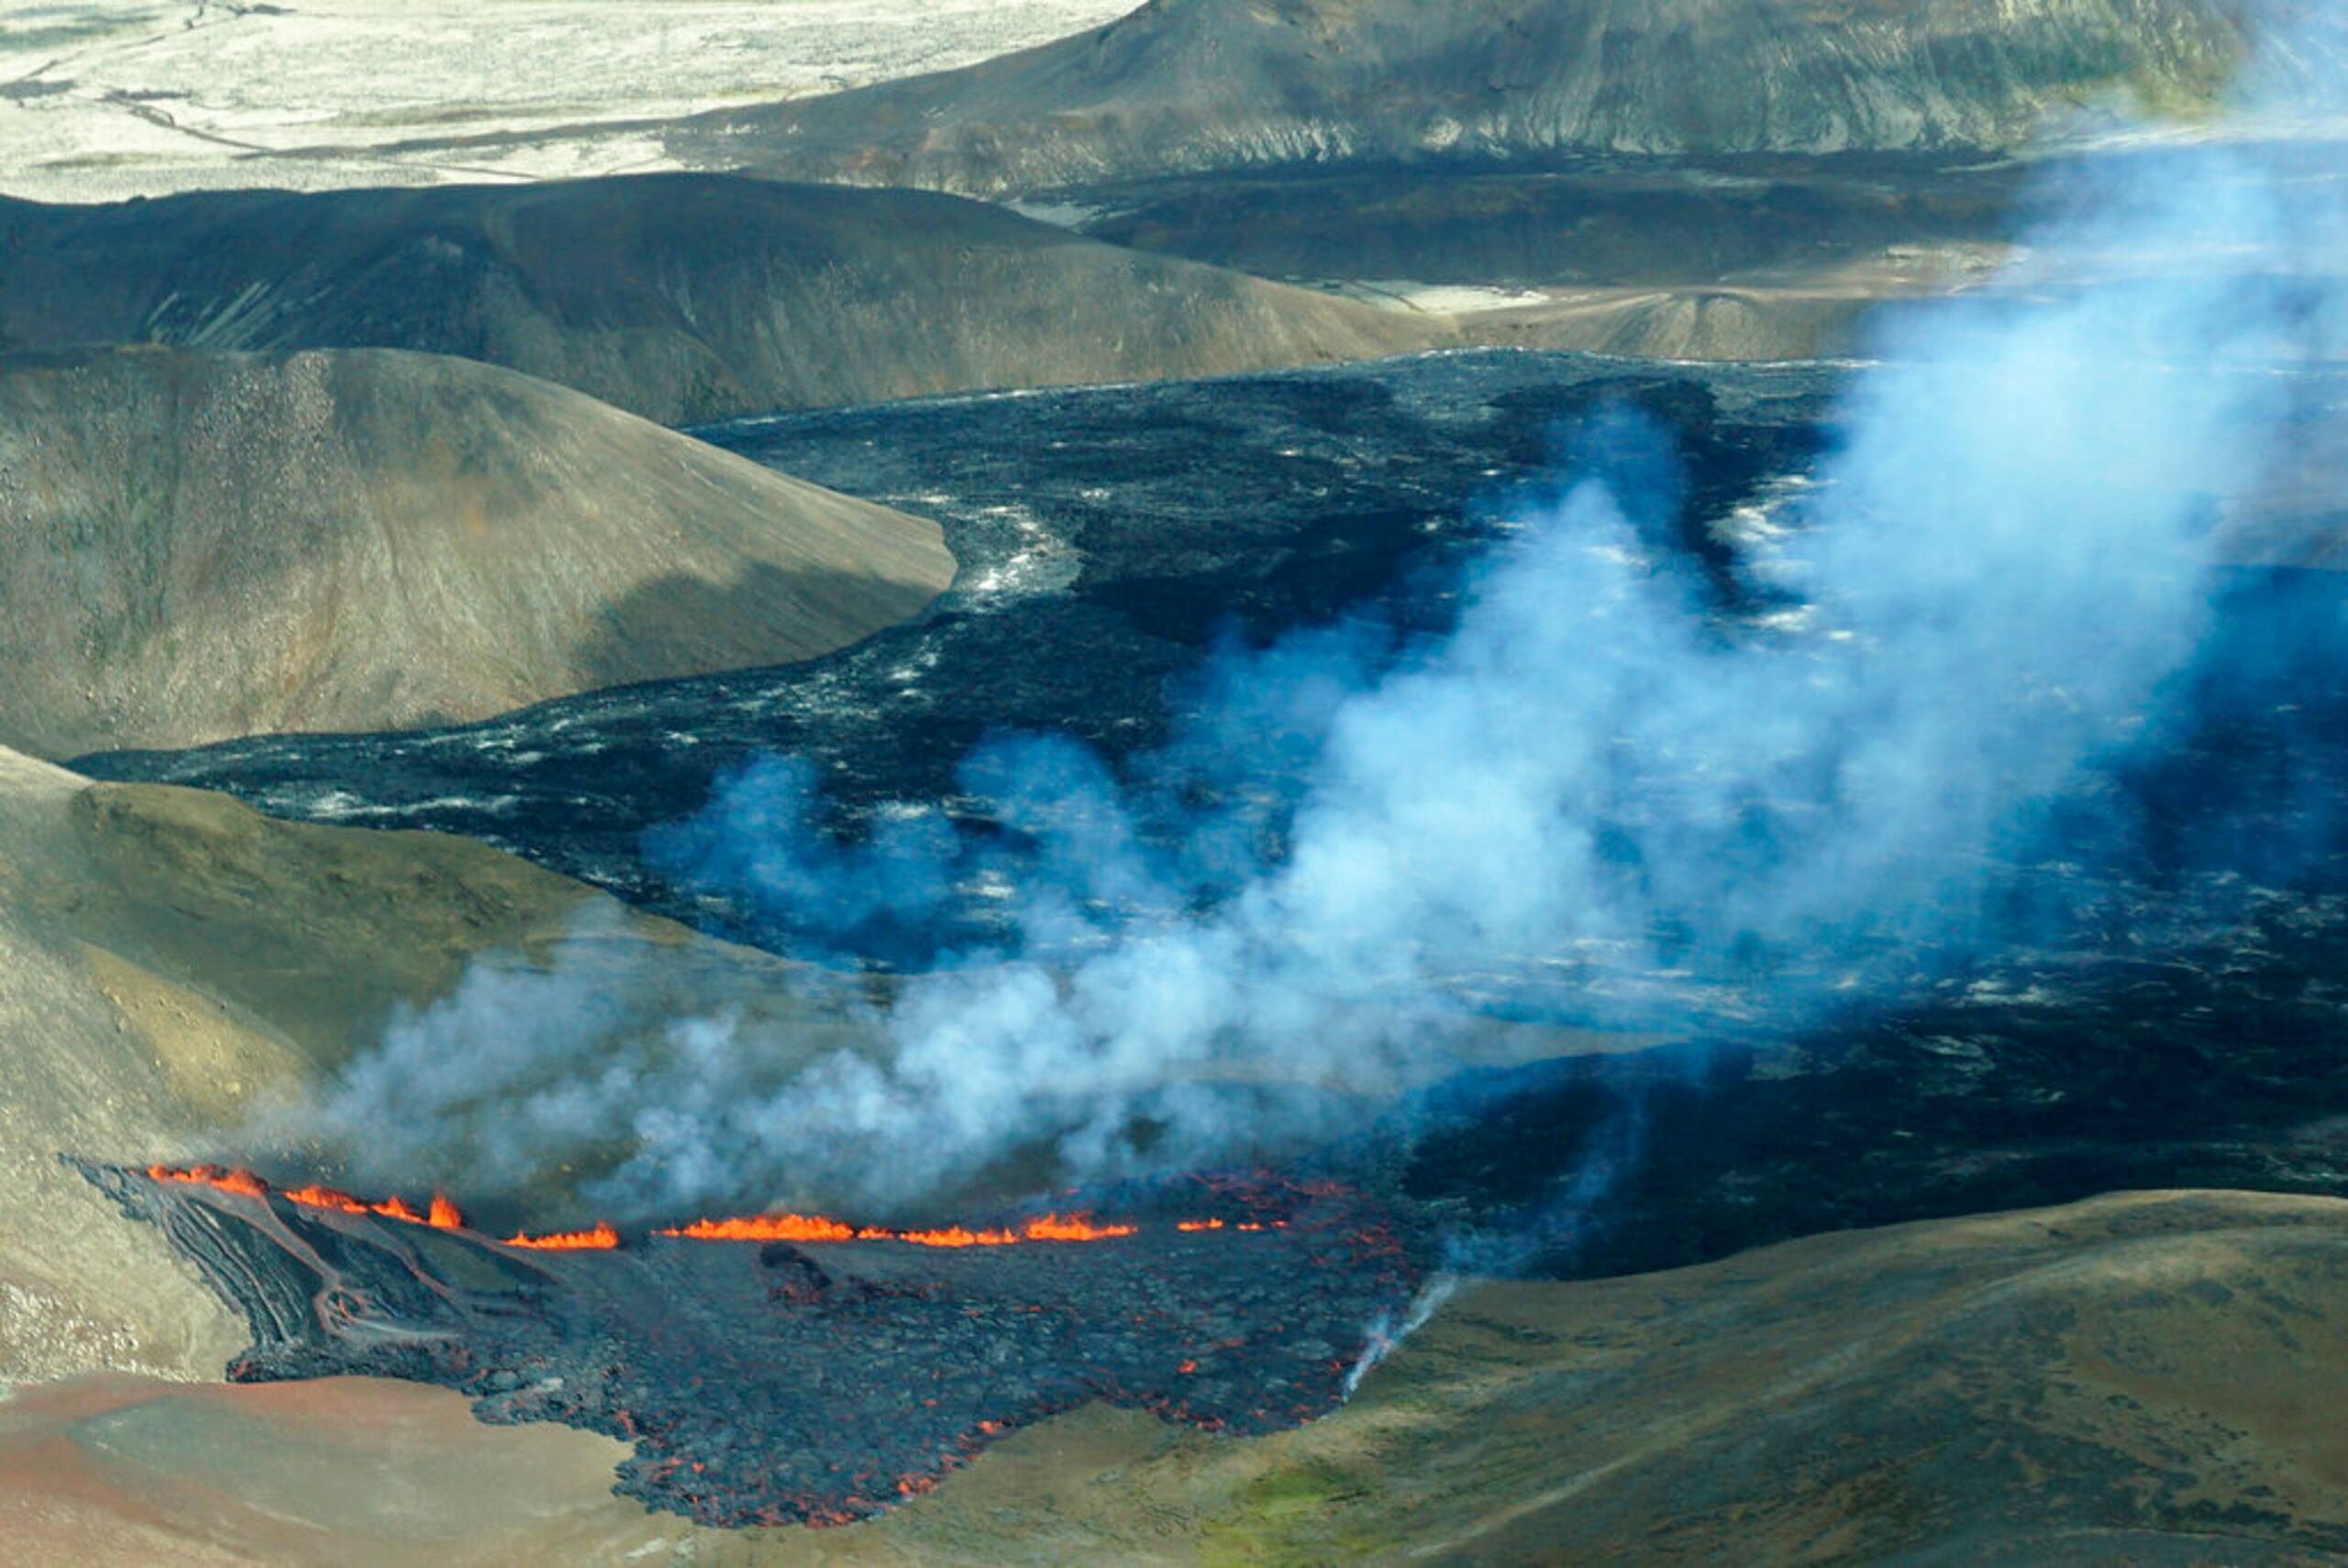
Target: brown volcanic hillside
[[682, 298], [1189, 85], [169, 957], [209, 545], [2150, 1380]]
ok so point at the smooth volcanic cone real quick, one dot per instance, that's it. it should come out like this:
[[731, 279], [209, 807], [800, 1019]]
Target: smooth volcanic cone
[[683, 298], [202, 546]]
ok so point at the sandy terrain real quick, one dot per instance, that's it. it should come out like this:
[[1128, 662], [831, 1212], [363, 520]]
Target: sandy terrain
[[102, 99], [2145, 1379]]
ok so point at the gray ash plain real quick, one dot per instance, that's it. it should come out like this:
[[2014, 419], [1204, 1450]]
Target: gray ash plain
[[2161, 1006]]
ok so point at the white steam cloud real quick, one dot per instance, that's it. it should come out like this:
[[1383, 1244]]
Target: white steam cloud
[[1982, 587], [1386, 1334]]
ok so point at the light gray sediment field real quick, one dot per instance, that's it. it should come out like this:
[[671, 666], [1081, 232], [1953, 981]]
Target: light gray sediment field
[[102, 99]]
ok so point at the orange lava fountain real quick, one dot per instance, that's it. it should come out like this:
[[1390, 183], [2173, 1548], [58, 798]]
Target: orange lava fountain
[[603, 1238], [443, 1215]]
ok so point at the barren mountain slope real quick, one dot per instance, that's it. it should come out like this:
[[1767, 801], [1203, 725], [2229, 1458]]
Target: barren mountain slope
[[1200, 84], [206, 544], [682, 298], [168, 957]]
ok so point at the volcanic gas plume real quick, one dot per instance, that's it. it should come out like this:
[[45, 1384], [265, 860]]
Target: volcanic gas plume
[[1684, 807], [798, 1368]]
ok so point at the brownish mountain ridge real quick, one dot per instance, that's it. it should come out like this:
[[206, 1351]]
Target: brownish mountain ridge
[[1192, 85], [202, 546], [682, 298]]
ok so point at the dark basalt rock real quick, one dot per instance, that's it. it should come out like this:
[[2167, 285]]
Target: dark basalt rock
[[1108, 540], [2158, 1007], [813, 1383]]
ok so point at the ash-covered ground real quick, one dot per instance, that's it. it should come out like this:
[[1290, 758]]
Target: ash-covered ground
[[823, 1381]]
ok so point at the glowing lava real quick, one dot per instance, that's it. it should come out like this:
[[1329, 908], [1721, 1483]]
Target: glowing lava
[[816, 1228], [240, 1181], [603, 1238], [766, 1228], [1072, 1228], [442, 1215], [816, 1383]]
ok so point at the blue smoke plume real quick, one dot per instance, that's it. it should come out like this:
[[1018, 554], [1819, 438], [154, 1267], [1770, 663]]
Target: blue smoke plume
[[1602, 776]]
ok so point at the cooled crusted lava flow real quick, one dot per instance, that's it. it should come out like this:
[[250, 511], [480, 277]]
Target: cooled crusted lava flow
[[787, 1368]]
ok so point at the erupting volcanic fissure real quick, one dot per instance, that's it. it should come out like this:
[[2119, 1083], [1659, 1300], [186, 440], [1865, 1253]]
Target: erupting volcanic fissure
[[604, 1236], [442, 1215], [827, 1370], [601, 1236], [815, 1228]]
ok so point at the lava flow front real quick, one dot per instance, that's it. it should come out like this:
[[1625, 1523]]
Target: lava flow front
[[825, 1371]]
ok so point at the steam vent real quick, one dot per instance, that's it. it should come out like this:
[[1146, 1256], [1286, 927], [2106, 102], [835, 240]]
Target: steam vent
[[810, 1381]]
